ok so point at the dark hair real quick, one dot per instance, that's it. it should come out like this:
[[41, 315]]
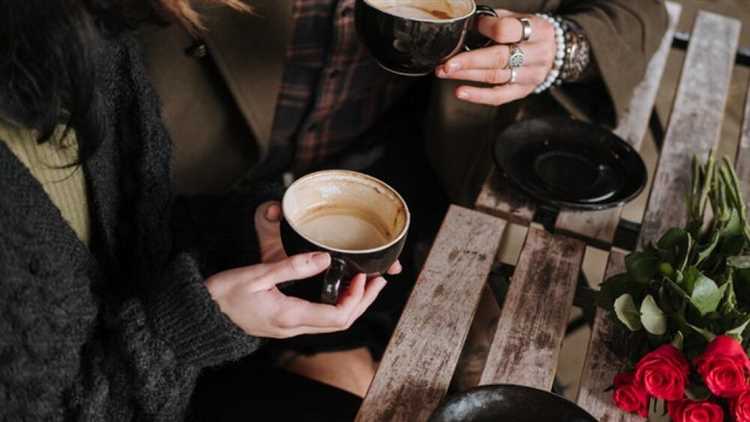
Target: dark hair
[[47, 71]]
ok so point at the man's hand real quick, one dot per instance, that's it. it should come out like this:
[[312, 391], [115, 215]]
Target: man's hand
[[490, 64]]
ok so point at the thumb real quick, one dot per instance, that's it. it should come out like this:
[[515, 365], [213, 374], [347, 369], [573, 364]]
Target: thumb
[[267, 217], [296, 267]]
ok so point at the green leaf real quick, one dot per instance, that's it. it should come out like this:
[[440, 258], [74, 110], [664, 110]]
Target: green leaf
[[741, 262], [706, 250], [706, 295], [675, 246], [709, 336], [678, 340], [732, 245], [737, 331], [677, 289], [730, 298], [642, 266], [627, 312], [613, 288], [691, 276], [652, 317], [734, 226]]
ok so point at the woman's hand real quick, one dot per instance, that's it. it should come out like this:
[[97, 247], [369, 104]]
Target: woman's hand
[[489, 65], [250, 298]]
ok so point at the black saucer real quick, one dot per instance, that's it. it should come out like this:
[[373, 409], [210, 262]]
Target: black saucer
[[570, 164], [509, 403]]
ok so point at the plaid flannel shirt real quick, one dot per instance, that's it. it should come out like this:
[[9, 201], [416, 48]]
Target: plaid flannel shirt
[[332, 90]]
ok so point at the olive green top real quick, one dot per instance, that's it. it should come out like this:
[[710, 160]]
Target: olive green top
[[50, 163]]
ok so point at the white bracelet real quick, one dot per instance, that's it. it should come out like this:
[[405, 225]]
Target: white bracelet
[[553, 77]]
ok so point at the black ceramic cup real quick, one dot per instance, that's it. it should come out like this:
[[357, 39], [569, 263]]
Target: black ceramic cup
[[412, 37], [359, 220]]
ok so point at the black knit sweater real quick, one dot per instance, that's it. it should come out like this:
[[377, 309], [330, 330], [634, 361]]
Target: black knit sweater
[[118, 332]]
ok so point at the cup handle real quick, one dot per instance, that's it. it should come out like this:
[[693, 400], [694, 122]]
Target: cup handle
[[332, 281], [481, 40]]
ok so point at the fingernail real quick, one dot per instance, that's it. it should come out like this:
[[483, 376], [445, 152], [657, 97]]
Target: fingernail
[[441, 72], [273, 213], [463, 95], [321, 259], [453, 66]]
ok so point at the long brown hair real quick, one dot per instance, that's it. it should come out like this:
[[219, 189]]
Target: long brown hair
[[185, 13]]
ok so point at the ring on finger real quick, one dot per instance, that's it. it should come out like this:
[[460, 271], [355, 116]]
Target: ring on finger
[[516, 57], [526, 29], [513, 76]]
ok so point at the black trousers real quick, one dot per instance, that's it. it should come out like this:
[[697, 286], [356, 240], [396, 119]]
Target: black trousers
[[256, 389]]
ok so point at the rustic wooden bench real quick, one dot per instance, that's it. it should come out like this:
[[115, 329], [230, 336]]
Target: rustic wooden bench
[[421, 359]]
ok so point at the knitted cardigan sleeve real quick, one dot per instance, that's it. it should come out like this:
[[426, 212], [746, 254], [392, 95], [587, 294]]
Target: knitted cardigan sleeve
[[68, 353]]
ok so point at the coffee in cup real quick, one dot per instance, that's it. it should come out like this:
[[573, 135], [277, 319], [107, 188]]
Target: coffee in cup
[[412, 37], [359, 220]]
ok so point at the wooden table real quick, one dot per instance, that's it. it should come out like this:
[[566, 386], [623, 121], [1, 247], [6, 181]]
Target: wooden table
[[421, 358]]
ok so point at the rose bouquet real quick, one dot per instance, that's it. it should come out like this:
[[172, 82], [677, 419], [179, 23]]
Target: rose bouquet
[[685, 303]]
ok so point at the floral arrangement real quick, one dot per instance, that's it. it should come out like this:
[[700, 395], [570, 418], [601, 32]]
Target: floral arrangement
[[685, 303]]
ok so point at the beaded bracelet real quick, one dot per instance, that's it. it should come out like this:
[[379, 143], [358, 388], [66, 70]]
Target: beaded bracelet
[[554, 74]]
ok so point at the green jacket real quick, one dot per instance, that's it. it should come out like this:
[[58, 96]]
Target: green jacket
[[220, 106]]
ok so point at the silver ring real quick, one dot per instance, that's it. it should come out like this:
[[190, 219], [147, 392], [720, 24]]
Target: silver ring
[[516, 57], [513, 76], [527, 31]]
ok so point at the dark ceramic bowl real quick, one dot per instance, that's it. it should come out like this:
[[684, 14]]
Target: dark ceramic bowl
[[570, 164], [509, 403]]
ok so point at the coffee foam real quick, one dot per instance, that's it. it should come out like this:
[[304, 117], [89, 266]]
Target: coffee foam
[[347, 229], [345, 210], [420, 9]]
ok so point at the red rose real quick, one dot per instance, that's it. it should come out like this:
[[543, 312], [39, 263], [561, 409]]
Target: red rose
[[663, 373], [724, 367], [741, 407], [629, 396], [695, 411]]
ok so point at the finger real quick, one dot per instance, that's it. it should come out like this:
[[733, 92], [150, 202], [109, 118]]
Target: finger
[[273, 212], [492, 57], [267, 229], [502, 29], [524, 76], [504, 13], [301, 313], [373, 289], [396, 268], [296, 267], [496, 96], [353, 294]]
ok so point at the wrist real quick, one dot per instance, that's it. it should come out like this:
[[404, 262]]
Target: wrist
[[577, 61], [553, 75]]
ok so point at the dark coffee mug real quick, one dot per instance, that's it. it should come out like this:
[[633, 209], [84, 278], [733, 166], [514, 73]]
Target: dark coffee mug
[[413, 37], [359, 220]]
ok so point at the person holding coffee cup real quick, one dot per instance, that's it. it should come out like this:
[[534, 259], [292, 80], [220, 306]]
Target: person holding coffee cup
[[302, 90], [531, 53]]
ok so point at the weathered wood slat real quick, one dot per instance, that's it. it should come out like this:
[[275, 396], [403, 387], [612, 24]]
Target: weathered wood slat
[[743, 152], [498, 197], [416, 369], [600, 226], [533, 319], [601, 363], [695, 125]]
